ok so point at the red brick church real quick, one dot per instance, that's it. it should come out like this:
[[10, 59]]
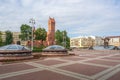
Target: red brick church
[[50, 39]]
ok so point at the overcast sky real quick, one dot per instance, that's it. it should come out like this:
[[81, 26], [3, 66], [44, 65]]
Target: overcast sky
[[78, 17]]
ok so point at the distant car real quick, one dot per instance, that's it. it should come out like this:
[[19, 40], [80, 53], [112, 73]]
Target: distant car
[[55, 48]]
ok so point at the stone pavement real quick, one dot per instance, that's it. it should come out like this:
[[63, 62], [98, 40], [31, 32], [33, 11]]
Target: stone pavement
[[87, 65]]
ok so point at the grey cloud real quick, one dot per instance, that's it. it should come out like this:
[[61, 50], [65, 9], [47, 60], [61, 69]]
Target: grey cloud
[[76, 16]]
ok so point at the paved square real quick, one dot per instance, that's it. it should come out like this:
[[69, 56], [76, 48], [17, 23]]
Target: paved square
[[115, 77], [50, 62], [83, 69], [88, 56], [14, 67], [86, 65], [116, 56], [112, 58], [41, 75], [73, 58], [109, 63], [102, 54]]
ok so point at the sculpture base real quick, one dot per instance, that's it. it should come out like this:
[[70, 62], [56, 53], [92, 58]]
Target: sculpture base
[[2, 59]]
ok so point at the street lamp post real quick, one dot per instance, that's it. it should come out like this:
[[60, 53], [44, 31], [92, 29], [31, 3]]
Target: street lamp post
[[64, 39], [32, 21]]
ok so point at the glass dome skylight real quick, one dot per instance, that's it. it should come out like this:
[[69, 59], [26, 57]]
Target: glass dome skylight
[[14, 47]]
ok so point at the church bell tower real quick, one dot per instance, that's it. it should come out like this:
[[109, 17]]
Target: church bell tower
[[51, 32]]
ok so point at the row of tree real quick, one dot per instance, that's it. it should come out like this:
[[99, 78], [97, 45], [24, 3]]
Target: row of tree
[[26, 32], [8, 38], [61, 37]]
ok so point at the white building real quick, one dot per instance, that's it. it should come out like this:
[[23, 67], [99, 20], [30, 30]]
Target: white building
[[15, 36], [99, 40], [85, 41], [82, 41], [114, 40]]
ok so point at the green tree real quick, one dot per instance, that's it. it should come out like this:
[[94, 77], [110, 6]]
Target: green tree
[[62, 38], [1, 39], [9, 37], [40, 34], [26, 31], [66, 39], [58, 37]]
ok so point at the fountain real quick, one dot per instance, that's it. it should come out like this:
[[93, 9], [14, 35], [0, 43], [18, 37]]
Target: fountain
[[14, 52], [54, 50]]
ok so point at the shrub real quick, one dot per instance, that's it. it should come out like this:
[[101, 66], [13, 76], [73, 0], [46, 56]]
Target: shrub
[[38, 49]]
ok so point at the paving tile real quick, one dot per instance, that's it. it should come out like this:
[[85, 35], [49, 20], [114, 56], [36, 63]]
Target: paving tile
[[109, 63], [41, 75], [116, 56], [73, 58], [14, 67], [50, 62], [112, 58], [102, 54], [88, 56], [115, 77], [83, 69]]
